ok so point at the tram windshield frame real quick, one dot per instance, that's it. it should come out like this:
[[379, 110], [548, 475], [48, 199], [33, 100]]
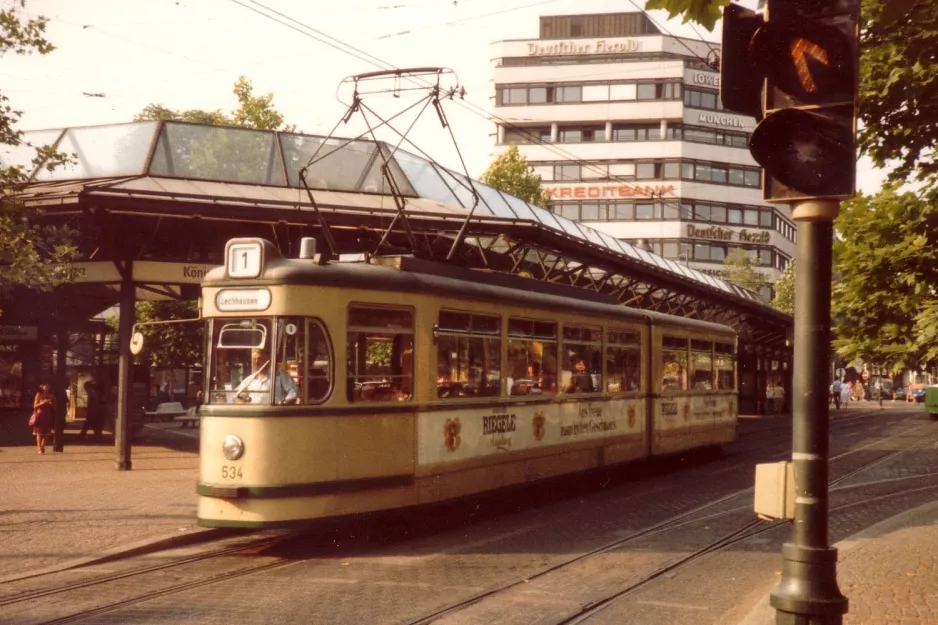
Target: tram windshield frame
[[265, 361]]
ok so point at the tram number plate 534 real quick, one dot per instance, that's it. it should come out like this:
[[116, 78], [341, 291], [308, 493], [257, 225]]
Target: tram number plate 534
[[231, 473]]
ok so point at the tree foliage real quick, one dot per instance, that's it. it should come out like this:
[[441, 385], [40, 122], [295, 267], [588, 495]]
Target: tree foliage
[[885, 301], [784, 299], [29, 254], [739, 268], [170, 344], [256, 112], [704, 12], [899, 86], [511, 174]]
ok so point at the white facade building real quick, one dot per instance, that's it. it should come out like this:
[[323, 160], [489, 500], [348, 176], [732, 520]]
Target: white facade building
[[626, 129]]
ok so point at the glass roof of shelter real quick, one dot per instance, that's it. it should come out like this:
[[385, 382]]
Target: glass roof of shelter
[[269, 158]]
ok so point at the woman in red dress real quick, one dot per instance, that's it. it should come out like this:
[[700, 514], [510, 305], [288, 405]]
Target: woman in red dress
[[44, 405]]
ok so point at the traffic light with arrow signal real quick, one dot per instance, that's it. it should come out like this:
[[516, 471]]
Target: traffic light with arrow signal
[[796, 70]]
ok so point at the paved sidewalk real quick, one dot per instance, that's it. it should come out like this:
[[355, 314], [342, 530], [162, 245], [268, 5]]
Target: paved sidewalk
[[62, 509], [889, 573]]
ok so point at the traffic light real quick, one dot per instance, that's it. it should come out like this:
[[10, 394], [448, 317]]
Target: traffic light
[[801, 60]]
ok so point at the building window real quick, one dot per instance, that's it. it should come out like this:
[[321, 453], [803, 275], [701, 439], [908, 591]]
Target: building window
[[649, 91], [622, 92], [566, 172], [699, 99], [539, 95], [645, 171], [568, 94], [515, 95], [644, 210]]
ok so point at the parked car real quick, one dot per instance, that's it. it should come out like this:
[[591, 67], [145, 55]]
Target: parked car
[[918, 393], [899, 393]]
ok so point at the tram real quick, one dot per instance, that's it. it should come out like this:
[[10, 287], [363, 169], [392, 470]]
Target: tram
[[346, 388]]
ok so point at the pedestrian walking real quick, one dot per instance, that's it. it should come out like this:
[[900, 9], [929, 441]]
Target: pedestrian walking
[[844, 394], [769, 398], [43, 417], [94, 413], [779, 392], [835, 393]]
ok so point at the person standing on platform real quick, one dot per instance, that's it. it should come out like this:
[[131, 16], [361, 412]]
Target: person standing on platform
[[44, 412], [94, 415], [835, 393]]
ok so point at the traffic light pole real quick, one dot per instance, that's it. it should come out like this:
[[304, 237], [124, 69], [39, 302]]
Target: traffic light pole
[[807, 592]]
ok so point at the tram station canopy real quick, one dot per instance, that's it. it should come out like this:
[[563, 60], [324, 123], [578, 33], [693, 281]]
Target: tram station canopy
[[178, 169]]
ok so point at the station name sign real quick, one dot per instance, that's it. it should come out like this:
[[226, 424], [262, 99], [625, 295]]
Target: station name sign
[[715, 233], [567, 48], [614, 191]]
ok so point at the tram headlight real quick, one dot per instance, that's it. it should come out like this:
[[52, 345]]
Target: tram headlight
[[232, 447]]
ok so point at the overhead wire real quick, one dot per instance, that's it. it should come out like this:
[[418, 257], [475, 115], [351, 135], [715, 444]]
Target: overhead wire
[[470, 106]]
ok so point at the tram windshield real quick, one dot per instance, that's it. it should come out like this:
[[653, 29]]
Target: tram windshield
[[241, 367], [266, 361]]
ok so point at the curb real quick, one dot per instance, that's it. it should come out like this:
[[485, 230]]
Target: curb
[[142, 547], [764, 614]]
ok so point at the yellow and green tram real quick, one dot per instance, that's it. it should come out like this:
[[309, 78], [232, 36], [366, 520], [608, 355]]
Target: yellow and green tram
[[344, 388]]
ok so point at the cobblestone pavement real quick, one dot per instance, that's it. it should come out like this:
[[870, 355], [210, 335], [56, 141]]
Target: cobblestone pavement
[[60, 509], [886, 570]]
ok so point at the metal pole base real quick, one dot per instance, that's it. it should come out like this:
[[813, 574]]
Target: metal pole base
[[124, 465], [808, 594]]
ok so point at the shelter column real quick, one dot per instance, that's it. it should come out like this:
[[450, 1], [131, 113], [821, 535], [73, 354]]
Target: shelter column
[[122, 432], [61, 383]]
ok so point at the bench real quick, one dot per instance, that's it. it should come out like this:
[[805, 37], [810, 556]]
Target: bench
[[190, 419], [167, 411]]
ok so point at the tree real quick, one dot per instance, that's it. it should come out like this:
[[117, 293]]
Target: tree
[[784, 299], [172, 344], [252, 112], [222, 155], [511, 174], [886, 257], [29, 254], [738, 268], [898, 98]]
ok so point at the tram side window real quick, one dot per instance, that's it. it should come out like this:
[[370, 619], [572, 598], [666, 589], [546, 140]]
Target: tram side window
[[673, 364], [469, 349], [380, 353], [623, 361], [701, 365], [532, 357], [583, 359], [290, 368], [319, 380], [725, 365]]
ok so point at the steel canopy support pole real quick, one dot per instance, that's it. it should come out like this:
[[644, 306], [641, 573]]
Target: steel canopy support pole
[[124, 382], [807, 593], [61, 383]]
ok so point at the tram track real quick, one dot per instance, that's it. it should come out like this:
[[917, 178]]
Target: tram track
[[748, 530], [695, 515]]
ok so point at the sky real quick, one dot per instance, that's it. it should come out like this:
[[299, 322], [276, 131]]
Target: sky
[[187, 54]]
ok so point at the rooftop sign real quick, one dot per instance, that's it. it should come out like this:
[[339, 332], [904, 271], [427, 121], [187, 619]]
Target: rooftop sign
[[584, 46]]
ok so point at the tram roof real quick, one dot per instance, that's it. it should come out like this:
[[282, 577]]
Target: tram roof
[[203, 164], [413, 275]]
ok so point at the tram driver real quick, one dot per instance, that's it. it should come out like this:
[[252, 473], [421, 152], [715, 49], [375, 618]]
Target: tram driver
[[258, 383]]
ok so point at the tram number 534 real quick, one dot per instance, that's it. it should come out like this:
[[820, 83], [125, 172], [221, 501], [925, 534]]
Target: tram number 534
[[231, 473]]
